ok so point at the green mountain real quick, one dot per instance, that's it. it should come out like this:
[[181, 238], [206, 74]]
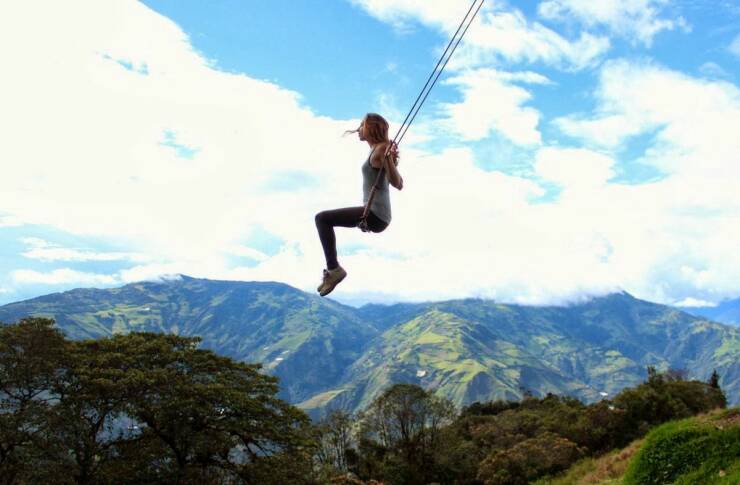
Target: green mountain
[[479, 350], [331, 355], [305, 340]]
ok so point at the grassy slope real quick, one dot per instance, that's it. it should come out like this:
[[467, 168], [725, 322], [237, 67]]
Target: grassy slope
[[704, 449]]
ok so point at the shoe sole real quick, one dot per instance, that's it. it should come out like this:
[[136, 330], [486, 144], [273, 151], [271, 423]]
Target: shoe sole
[[331, 288]]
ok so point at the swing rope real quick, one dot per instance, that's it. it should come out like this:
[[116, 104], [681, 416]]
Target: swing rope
[[411, 115]]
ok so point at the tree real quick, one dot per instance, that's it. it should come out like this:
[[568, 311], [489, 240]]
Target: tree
[[714, 380], [661, 399], [405, 422], [673, 374], [31, 352], [141, 408], [209, 414], [653, 376], [336, 442], [528, 460]]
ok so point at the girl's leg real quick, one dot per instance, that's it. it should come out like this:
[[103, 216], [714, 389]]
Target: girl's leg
[[325, 223]]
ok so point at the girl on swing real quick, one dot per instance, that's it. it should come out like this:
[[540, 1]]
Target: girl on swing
[[374, 130]]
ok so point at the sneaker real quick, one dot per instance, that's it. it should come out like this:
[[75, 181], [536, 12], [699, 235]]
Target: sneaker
[[323, 279], [331, 279]]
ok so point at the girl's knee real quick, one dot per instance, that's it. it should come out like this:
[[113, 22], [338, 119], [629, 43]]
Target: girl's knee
[[319, 218]]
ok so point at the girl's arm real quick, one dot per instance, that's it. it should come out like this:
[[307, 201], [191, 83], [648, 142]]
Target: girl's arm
[[394, 177], [390, 162]]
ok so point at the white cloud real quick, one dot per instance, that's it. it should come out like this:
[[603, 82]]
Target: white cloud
[[9, 221], [606, 130], [159, 272], [574, 168], [247, 252], [695, 119], [637, 20], [492, 103], [84, 136], [5, 291], [680, 228], [497, 33], [734, 46], [402, 12], [45, 251], [693, 302], [511, 37], [63, 276]]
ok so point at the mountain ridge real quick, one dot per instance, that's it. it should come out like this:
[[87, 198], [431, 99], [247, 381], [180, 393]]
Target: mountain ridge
[[331, 355]]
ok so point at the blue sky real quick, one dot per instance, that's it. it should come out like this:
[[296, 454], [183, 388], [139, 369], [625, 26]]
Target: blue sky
[[572, 148]]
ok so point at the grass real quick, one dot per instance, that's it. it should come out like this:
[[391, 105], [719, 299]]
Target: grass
[[320, 400], [431, 338], [702, 450], [728, 347]]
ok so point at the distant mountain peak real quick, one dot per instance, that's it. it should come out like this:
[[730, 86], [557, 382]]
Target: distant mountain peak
[[622, 294]]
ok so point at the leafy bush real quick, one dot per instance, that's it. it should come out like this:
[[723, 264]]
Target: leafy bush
[[687, 452], [490, 408], [663, 399], [532, 458]]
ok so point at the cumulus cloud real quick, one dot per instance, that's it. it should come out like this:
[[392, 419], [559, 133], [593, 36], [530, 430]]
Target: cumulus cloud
[[606, 130], [491, 102], [574, 168], [498, 33], [248, 252], [693, 302], [85, 135], [44, 251], [61, 276], [695, 119], [688, 219], [637, 20], [403, 12], [10, 221], [509, 36], [86, 116]]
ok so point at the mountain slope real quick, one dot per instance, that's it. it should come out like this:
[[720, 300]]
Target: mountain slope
[[305, 340], [330, 355], [461, 358], [479, 350]]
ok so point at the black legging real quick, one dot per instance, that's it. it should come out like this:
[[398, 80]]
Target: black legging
[[346, 217]]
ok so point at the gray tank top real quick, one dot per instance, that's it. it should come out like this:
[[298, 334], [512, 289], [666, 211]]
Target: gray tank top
[[382, 201]]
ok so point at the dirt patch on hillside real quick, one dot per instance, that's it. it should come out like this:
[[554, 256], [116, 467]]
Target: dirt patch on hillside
[[727, 419], [611, 467]]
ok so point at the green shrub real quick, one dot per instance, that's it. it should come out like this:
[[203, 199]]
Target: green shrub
[[528, 460], [687, 452]]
